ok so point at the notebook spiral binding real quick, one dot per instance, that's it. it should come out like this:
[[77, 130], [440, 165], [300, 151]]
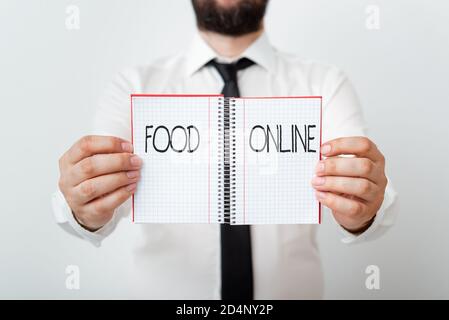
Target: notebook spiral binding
[[226, 161], [232, 163]]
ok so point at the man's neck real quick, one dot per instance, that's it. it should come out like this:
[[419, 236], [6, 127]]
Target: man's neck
[[229, 46]]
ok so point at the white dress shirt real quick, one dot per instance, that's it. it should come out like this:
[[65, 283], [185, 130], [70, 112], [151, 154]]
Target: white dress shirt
[[183, 260]]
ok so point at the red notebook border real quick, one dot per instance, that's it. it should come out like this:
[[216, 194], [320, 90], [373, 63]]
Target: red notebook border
[[221, 95]]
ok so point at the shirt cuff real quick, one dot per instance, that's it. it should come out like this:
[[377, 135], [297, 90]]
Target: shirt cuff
[[64, 217], [383, 220]]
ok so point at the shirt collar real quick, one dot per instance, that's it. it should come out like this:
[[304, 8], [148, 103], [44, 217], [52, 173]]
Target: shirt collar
[[199, 53]]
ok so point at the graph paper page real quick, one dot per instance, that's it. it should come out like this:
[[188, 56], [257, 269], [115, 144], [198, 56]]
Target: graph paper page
[[176, 139], [275, 169]]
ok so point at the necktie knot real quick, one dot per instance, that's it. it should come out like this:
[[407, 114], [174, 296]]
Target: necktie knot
[[228, 72]]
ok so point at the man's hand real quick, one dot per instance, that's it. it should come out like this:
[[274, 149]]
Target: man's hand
[[97, 174], [352, 187]]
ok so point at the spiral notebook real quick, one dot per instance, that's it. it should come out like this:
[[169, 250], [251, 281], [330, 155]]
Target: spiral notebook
[[210, 159]]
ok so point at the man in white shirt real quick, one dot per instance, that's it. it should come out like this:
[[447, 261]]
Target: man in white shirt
[[99, 173]]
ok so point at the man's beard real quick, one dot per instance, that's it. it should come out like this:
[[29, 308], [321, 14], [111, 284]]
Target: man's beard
[[243, 17]]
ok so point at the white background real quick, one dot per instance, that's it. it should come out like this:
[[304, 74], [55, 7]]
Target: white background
[[51, 78]]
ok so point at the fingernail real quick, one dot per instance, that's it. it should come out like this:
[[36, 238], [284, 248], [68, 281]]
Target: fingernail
[[132, 174], [318, 181], [127, 147], [320, 195], [131, 187], [135, 161], [319, 167], [325, 149]]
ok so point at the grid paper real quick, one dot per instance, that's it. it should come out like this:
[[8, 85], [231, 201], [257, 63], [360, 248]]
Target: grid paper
[[176, 187], [275, 188], [183, 187]]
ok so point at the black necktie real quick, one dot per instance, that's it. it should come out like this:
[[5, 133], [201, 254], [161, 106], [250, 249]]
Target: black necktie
[[236, 262]]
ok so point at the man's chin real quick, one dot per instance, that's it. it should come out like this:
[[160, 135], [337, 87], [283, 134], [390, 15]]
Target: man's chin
[[230, 17]]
